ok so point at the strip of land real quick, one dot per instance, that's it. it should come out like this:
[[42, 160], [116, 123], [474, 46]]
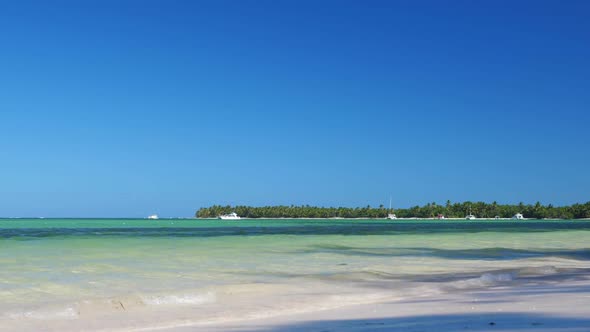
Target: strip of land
[[431, 210]]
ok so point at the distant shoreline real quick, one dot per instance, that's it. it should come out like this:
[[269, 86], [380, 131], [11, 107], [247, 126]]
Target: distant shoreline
[[289, 218], [392, 220], [449, 210]]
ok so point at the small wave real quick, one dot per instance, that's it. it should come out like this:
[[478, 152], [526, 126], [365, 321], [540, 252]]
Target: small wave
[[178, 299], [347, 299], [538, 271], [496, 278], [67, 313], [486, 280]]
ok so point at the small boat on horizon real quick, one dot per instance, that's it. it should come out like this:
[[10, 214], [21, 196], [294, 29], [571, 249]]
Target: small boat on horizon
[[470, 216], [231, 216], [391, 216], [518, 216], [153, 217]]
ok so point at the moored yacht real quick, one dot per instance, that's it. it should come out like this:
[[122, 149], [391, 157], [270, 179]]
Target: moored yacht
[[470, 216], [231, 216], [518, 216], [391, 215]]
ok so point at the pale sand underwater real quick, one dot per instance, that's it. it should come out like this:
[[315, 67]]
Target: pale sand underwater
[[195, 275], [548, 306]]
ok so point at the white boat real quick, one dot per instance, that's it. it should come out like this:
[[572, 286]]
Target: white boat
[[518, 216], [391, 215], [470, 216], [153, 217], [231, 216]]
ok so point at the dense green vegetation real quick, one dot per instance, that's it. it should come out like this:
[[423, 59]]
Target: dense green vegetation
[[431, 210]]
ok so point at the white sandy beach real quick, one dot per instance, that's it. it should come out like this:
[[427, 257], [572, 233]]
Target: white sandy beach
[[540, 304], [294, 166], [548, 303]]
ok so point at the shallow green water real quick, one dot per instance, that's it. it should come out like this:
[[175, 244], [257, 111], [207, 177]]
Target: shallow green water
[[65, 262]]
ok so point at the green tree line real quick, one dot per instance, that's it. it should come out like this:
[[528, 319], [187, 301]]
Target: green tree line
[[430, 210]]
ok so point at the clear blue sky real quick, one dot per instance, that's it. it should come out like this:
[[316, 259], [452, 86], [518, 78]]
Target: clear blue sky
[[128, 108]]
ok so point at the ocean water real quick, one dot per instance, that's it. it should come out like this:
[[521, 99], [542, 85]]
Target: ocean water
[[73, 274]]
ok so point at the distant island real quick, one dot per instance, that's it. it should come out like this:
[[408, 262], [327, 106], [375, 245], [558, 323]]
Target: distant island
[[430, 210]]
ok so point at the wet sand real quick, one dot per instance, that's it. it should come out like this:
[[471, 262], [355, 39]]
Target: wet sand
[[558, 303]]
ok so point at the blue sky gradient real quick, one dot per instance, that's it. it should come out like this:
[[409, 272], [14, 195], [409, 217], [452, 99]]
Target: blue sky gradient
[[128, 108]]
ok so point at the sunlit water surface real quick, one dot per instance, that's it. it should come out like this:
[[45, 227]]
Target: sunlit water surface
[[67, 269]]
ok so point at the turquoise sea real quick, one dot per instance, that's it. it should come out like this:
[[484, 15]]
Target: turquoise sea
[[67, 274]]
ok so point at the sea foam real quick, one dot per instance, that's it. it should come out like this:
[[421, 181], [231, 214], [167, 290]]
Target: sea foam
[[67, 313], [486, 280], [496, 278], [185, 299]]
